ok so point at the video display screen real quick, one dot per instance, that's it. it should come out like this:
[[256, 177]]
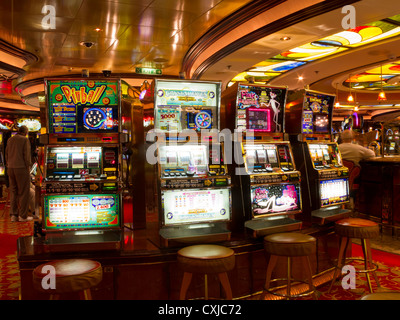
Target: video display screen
[[321, 123], [79, 106], [196, 205], [334, 191], [275, 199], [258, 119], [201, 119], [89, 211], [98, 119]]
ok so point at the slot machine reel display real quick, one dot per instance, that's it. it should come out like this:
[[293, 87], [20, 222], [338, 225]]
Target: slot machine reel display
[[194, 185], [269, 185], [82, 199], [325, 183]]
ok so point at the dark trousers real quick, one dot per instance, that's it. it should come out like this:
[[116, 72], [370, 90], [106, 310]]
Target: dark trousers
[[20, 182]]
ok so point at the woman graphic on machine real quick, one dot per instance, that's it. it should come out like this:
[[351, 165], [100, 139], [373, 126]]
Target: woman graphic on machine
[[275, 106]]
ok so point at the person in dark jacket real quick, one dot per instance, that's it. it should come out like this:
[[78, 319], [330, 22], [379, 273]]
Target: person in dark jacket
[[18, 161]]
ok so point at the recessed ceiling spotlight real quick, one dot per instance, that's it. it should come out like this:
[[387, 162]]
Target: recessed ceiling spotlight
[[300, 78], [98, 29], [285, 38], [87, 44]]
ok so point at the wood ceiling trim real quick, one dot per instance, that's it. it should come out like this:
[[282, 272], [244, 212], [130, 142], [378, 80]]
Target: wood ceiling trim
[[262, 32], [223, 27], [17, 52]]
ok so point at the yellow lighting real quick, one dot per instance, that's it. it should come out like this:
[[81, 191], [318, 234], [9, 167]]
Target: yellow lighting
[[350, 98], [382, 96]]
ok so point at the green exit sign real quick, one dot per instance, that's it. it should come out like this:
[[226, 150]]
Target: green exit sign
[[148, 71]]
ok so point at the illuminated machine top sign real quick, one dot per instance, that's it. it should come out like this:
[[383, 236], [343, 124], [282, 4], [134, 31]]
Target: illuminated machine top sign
[[79, 106], [260, 108], [183, 105], [317, 111]]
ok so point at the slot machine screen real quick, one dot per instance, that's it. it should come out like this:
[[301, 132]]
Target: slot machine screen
[[334, 191], [258, 119], [201, 119], [195, 206], [78, 160], [321, 123], [97, 119], [86, 211], [275, 199]]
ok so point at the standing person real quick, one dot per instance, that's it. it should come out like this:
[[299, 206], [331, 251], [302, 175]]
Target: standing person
[[351, 151], [18, 161]]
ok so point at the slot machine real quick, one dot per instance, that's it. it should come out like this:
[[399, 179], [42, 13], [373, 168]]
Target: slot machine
[[194, 193], [325, 181], [266, 184], [81, 191]]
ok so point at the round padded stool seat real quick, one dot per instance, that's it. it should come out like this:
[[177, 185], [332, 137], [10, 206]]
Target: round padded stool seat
[[206, 258], [382, 296], [357, 228], [71, 275], [290, 244]]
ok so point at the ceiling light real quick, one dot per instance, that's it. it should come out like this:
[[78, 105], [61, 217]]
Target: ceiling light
[[98, 29], [337, 104], [350, 98], [300, 78], [285, 38], [381, 95]]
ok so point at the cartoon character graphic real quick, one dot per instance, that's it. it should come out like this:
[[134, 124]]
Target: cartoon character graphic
[[275, 106]]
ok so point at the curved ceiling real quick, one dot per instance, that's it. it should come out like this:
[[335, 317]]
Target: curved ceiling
[[207, 39]]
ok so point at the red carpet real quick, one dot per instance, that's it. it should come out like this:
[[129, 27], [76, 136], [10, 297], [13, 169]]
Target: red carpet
[[388, 274], [8, 244]]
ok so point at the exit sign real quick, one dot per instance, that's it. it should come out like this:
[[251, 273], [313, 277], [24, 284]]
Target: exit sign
[[148, 71]]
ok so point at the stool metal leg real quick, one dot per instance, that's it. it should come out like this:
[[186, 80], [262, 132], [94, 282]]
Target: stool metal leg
[[205, 287], [366, 260], [85, 294], [343, 245], [289, 276], [307, 268], [223, 278], [187, 278], [271, 266], [368, 243]]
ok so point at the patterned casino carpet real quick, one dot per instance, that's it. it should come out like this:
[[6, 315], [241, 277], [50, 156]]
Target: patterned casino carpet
[[388, 275]]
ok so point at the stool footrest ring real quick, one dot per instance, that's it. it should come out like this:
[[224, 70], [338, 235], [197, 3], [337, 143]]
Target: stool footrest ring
[[350, 259], [293, 282]]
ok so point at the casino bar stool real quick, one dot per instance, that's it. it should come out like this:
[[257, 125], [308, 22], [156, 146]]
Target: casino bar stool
[[289, 244], [72, 275], [361, 229], [206, 259], [382, 296]]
